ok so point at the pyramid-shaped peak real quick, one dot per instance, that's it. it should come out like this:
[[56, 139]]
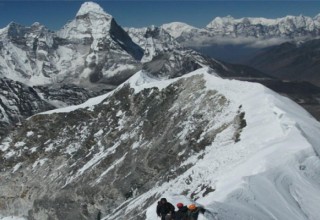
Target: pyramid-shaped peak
[[90, 7]]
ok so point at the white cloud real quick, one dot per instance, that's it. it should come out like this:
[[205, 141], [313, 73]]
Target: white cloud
[[245, 41]]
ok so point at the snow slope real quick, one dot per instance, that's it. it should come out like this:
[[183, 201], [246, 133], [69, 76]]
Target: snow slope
[[271, 173]]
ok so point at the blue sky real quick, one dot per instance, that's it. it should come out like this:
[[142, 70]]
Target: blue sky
[[134, 13]]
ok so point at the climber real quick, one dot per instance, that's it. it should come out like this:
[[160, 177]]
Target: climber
[[99, 215], [165, 209], [182, 213], [194, 211]]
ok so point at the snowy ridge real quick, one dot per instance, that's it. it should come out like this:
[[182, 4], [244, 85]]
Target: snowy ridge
[[277, 152], [232, 143], [88, 104], [139, 81]]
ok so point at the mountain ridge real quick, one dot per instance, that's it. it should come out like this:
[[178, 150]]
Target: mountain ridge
[[92, 53], [225, 30], [226, 153]]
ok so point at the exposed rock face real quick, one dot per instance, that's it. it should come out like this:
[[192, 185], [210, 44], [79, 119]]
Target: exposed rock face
[[69, 165], [18, 101]]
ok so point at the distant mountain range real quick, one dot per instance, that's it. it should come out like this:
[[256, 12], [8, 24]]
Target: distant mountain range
[[256, 32], [90, 55]]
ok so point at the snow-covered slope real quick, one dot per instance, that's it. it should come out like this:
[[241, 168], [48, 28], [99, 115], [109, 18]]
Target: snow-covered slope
[[237, 148]]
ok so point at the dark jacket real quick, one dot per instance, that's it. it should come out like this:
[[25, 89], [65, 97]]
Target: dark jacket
[[181, 214], [164, 208], [193, 215]]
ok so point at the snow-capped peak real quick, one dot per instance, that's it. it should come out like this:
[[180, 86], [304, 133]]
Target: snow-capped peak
[[175, 29], [229, 20], [36, 24], [96, 24], [90, 7]]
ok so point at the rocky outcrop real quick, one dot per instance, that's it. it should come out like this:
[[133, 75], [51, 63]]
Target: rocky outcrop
[[18, 101]]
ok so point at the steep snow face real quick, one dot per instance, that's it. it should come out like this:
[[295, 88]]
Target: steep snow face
[[91, 7], [91, 21], [223, 143]]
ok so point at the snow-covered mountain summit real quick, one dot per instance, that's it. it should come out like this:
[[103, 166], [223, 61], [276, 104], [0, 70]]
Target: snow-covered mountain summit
[[225, 144], [176, 29], [91, 21], [91, 8], [289, 26], [224, 30], [92, 48]]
